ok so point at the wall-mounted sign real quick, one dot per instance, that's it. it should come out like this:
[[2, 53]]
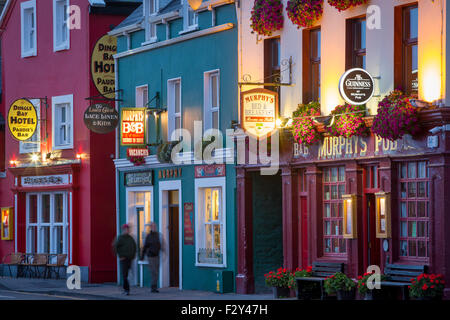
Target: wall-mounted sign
[[356, 86], [102, 66], [136, 179], [207, 171], [259, 111], [189, 223], [22, 119], [169, 173], [101, 118], [132, 126], [7, 224], [45, 181], [137, 152]]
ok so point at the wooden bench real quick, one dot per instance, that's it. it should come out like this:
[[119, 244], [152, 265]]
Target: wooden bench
[[399, 276], [15, 259], [320, 271]]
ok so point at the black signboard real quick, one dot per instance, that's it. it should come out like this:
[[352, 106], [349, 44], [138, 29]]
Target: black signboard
[[101, 118], [356, 86]]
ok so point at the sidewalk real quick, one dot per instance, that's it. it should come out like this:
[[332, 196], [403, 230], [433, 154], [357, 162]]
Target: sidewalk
[[111, 291]]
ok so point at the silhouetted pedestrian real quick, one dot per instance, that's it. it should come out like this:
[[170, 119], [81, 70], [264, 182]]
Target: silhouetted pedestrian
[[125, 249]]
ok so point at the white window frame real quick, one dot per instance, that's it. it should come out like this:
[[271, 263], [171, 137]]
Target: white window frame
[[208, 108], [57, 27], [141, 98], [24, 6], [39, 225], [66, 99], [200, 184], [150, 28], [186, 26], [33, 144], [171, 114]]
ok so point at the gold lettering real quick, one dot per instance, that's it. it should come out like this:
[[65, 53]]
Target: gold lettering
[[394, 145], [341, 144], [378, 140], [364, 147], [329, 143], [348, 146], [385, 145], [355, 139], [323, 149]]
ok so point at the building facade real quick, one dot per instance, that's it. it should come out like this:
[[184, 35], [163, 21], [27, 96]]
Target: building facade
[[56, 185], [177, 69]]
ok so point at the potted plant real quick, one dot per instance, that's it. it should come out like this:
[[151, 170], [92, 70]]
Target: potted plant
[[342, 5], [303, 128], [267, 16], [341, 285], [396, 117], [363, 289], [307, 289], [348, 121], [137, 161], [427, 287], [280, 281], [164, 151], [303, 13]]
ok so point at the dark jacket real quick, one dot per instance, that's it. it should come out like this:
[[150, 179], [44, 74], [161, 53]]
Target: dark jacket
[[125, 246], [152, 245]]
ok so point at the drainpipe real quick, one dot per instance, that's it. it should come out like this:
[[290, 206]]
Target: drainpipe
[[117, 157]]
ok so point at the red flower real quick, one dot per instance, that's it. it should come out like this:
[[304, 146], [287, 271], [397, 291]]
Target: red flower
[[424, 287]]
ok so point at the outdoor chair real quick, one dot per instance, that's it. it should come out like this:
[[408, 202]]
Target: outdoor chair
[[54, 268], [34, 262], [15, 259]]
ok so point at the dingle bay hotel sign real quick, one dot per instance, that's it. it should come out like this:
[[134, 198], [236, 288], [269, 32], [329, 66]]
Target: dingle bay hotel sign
[[102, 66]]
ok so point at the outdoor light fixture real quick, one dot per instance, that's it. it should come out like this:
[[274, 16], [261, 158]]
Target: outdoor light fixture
[[34, 157], [350, 212], [79, 156], [13, 163], [383, 215]]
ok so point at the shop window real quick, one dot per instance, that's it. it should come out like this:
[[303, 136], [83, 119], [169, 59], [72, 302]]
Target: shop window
[[174, 106], [210, 230], [333, 189], [61, 30], [356, 43], [47, 223], [272, 61], [33, 144], [211, 100], [28, 28], [406, 48], [311, 64], [414, 210], [62, 124]]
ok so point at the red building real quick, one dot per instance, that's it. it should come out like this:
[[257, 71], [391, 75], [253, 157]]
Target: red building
[[57, 204]]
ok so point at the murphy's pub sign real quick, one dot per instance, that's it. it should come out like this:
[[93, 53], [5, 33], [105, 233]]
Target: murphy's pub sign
[[259, 111], [332, 148]]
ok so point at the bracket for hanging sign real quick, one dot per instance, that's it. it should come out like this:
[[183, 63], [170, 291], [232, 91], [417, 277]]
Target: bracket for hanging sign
[[277, 83], [96, 98]]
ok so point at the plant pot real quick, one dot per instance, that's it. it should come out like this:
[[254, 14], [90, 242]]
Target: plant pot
[[368, 121], [280, 292], [346, 295]]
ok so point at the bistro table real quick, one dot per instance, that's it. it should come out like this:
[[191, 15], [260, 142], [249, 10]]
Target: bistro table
[[141, 264]]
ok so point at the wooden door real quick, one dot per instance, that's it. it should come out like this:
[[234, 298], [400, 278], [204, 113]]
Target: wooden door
[[174, 244]]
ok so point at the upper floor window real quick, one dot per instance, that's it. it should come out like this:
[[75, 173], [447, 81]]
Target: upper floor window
[[190, 17], [60, 25], [356, 43], [142, 96], [211, 100], [272, 61], [33, 144], [174, 106], [311, 65], [62, 122], [151, 9], [28, 28]]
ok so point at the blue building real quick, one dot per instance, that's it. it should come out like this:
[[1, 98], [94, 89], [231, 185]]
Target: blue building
[[180, 68]]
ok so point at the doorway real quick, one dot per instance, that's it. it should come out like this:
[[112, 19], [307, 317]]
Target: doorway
[[174, 238]]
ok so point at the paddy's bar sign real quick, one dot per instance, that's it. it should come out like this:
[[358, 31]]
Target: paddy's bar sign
[[22, 119], [102, 66], [101, 118], [356, 86], [259, 109], [132, 126]]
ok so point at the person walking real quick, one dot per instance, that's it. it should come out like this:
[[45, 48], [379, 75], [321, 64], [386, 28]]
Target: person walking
[[152, 246], [125, 249]]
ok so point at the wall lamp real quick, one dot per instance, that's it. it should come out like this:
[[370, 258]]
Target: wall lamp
[[383, 215], [350, 216]]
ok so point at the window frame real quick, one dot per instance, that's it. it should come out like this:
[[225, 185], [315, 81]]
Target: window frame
[[171, 114], [201, 184], [63, 45], [351, 52], [208, 108], [150, 28], [58, 100], [309, 93], [24, 6], [34, 144], [186, 26], [272, 71]]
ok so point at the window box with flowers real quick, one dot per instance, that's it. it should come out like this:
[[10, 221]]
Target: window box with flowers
[[348, 121], [396, 117], [303, 128], [267, 16], [303, 13], [342, 5], [427, 287], [281, 282], [363, 289], [341, 285]]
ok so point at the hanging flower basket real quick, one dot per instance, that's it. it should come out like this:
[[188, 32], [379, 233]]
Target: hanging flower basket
[[303, 13], [137, 161], [348, 121], [303, 128], [267, 16], [396, 117], [342, 5]]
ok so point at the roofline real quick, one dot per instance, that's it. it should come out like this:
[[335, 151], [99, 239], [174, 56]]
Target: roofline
[[127, 29]]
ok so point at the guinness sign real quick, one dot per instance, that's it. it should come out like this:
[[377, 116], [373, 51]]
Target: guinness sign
[[356, 86]]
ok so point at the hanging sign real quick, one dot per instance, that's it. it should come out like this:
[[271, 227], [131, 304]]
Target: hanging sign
[[101, 118], [132, 126], [259, 110], [356, 86], [189, 223], [102, 66], [22, 119]]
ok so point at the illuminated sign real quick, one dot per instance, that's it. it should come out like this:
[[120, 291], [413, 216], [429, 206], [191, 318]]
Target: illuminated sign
[[356, 86], [102, 66], [259, 111], [132, 126], [22, 119]]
